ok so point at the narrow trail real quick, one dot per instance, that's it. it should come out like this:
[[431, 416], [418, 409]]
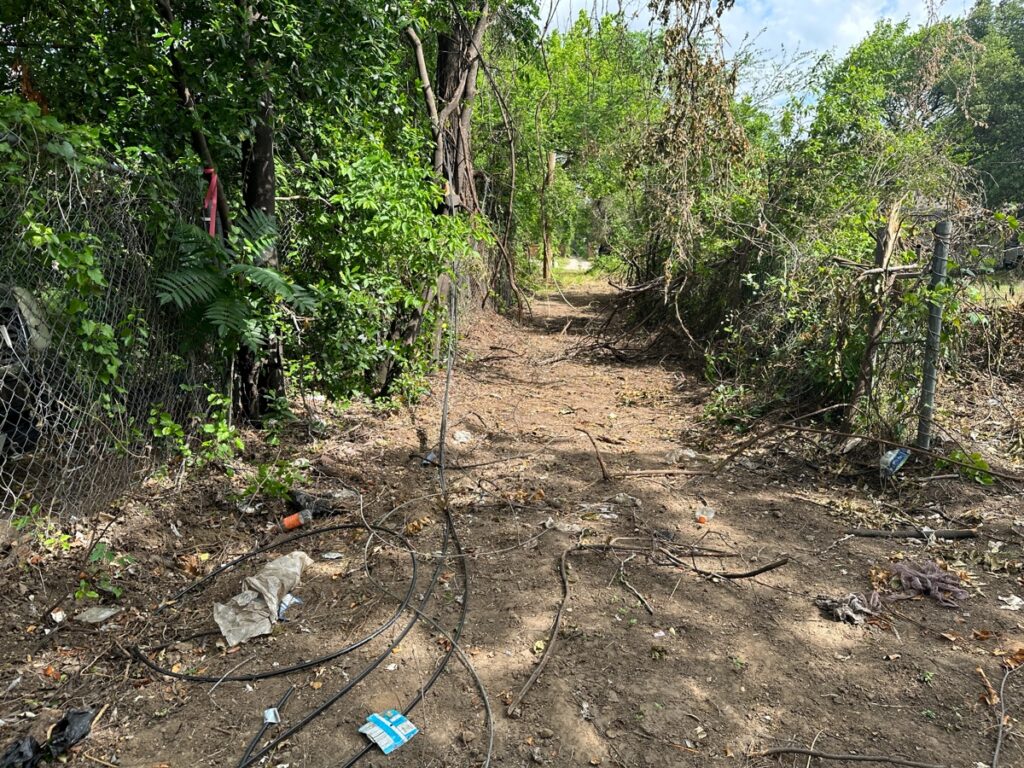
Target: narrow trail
[[654, 664], [712, 669]]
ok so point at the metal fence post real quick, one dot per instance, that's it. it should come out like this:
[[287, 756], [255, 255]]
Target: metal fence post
[[943, 230]]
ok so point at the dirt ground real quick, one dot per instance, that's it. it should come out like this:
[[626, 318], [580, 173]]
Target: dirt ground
[[657, 661]]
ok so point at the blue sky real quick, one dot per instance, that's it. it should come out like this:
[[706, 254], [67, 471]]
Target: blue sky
[[805, 25]]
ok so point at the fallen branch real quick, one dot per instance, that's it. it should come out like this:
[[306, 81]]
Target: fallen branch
[[665, 472], [552, 638], [600, 460], [636, 593], [768, 433], [942, 533], [848, 758], [746, 574]]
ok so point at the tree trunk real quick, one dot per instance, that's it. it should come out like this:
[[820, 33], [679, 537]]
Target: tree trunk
[[450, 109], [455, 75], [545, 218], [885, 246], [261, 375]]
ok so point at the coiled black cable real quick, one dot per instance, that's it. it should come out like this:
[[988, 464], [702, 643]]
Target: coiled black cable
[[363, 673], [140, 656]]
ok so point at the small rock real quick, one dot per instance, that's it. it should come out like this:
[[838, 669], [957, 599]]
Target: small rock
[[545, 733], [537, 756], [467, 737], [462, 436]]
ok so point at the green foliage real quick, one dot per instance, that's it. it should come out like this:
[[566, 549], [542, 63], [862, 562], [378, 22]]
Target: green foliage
[[772, 284], [356, 241], [216, 439], [102, 569], [223, 289], [45, 531], [273, 481], [990, 127], [219, 439], [586, 95], [976, 469]]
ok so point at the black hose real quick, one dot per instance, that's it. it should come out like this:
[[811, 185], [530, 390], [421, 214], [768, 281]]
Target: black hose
[[266, 726], [363, 673], [449, 527], [140, 656]]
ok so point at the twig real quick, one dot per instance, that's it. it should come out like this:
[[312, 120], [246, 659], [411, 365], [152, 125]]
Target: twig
[[625, 582], [233, 669], [768, 433], [1002, 718], [942, 533], [87, 756], [746, 574], [849, 758], [597, 451], [551, 639]]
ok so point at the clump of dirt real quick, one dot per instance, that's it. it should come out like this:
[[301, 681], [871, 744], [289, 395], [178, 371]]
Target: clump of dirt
[[689, 632]]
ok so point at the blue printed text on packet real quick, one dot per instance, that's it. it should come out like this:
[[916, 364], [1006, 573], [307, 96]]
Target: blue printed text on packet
[[388, 730]]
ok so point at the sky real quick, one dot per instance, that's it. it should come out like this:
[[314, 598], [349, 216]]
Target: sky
[[796, 25]]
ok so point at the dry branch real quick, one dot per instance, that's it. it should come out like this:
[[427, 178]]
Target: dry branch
[[746, 574], [604, 470], [552, 638]]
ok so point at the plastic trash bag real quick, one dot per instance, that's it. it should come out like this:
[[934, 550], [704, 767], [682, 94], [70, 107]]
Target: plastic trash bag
[[254, 610]]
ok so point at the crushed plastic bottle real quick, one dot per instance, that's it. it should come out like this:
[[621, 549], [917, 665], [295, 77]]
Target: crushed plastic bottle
[[893, 461], [704, 516]]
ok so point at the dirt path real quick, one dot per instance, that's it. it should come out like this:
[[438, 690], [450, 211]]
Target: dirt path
[[713, 670]]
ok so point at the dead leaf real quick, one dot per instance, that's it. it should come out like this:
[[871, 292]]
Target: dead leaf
[[316, 685], [982, 634], [1015, 659], [51, 672], [990, 696], [415, 526]]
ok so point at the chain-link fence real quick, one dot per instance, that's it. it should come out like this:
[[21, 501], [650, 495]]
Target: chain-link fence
[[87, 355]]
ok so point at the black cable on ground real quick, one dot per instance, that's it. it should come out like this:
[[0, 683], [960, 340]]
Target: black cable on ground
[[488, 712], [141, 657], [425, 688], [266, 725], [450, 535], [363, 673]]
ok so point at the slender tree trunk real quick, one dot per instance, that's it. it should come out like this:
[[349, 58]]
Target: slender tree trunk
[[545, 218], [261, 375], [885, 246]]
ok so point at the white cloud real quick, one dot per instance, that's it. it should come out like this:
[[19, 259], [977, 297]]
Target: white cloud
[[814, 25], [805, 25]]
